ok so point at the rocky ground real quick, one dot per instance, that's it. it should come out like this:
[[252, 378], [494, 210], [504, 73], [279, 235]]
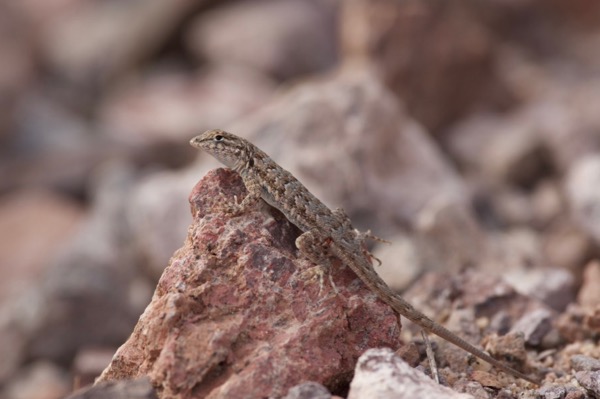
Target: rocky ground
[[466, 133]]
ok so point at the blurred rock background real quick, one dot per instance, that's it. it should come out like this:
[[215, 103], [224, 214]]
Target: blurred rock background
[[466, 133]]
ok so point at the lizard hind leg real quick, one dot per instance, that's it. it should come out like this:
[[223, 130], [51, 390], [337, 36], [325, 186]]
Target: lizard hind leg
[[362, 237], [314, 249]]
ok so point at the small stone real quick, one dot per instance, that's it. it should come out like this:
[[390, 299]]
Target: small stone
[[40, 380], [552, 392], [534, 326], [592, 320], [509, 346], [486, 379], [381, 374], [126, 389], [89, 363], [575, 395], [308, 390], [590, 380], [581, 182], [585, 363], [282, 38], [410, 354], [589, 294]]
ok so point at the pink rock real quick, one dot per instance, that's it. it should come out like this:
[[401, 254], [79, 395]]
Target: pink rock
[[237, 313]]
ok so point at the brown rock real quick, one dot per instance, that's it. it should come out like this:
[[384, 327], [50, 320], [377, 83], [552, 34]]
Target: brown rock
[[507, 150], [590, 380], [553, 286], [514, 252], [542, 139], [239, 308], [158, 204], [402, 250], [486, 379], [281, 38], [568, 244], [436, 56], [548, 202], [572, 324], [171, 107], [39, 380], [474, 389], [448, 236], [62, 160], [17, 70], [118, 36], [410, 354], [585, 363], [487, 295], [34, 226], [468, 304], [553, 20], [510, 346], [581, 180], [589, 294], [89, 293], [575, 395], [534, 326], [592, 320], [552, 392], [89, 363]]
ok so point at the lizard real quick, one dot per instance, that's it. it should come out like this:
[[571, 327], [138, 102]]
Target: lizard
[[326, 233]]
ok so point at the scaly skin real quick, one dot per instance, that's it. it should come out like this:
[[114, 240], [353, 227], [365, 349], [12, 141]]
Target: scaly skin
[[326, 233]]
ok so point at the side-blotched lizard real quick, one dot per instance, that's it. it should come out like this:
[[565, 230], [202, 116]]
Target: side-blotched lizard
[[326, 233]]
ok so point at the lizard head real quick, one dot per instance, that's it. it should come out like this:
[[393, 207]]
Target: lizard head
[[227, 148]]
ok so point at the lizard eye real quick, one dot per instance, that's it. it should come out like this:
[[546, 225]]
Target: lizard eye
[[218, 138]]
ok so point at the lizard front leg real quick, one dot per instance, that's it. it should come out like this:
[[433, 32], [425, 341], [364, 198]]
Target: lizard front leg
[[253, 196]]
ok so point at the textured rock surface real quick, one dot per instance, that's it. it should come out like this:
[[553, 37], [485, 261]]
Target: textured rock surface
[[239, 308]]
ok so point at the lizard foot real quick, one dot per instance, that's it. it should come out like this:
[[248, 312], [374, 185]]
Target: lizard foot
[[313, 248], [319, 272]]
